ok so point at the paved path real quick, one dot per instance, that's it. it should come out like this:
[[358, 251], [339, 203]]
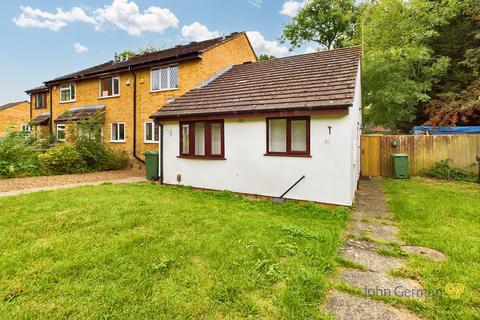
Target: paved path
[[134, 179], [372, 228]]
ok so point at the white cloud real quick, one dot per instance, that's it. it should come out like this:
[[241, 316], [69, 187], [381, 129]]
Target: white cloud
[[126, 16], [36, 18], [291, 8], [198, 32], [263, 46], [122, 14], [79, 48], [310, 50], [255, 3]]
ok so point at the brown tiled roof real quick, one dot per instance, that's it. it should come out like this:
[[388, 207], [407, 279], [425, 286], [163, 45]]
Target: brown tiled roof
[[12, 104], [177, 53], [317, 80], [80, 113], [37, 89], [41, 119]]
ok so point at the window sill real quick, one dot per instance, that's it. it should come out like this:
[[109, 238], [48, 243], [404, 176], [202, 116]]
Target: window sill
[[202, 157], [109, 97], [163, 90], [39, 108], [118, 141], [287, 155], [151, 142], [69, 101]]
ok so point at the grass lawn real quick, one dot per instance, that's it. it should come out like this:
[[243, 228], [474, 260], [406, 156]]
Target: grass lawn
[[443, 216], [143, 251]]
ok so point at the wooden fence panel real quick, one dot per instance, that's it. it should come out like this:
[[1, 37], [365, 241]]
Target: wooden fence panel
[[424, 151]]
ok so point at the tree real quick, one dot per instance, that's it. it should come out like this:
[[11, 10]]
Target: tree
[[399, 67], [451, 109], [327, 22], [127, 54], [266, 57]]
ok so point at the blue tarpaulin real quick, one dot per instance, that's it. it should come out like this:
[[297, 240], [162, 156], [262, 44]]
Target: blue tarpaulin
[[429, 130]]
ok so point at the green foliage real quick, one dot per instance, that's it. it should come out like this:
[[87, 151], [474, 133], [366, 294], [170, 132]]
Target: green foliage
[[442, 170], [327, 22], [399, 67], [266, 57], [99, 157], [18, 156], [63, 159]]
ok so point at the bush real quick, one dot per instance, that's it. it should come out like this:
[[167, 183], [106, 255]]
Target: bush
[[99, 157], [63, 159], [442, 170], [18, 158]]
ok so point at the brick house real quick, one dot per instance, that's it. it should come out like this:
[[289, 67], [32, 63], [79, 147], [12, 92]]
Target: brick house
[[15, 115], [129, 91]]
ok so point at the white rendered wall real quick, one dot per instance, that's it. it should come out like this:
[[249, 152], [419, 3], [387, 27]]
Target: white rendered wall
[[331, 173]]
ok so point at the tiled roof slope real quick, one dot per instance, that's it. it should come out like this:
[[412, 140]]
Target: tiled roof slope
[[10, 105], [317, 80], [81, 113], [41, 119], [37, 89], [158, 56]]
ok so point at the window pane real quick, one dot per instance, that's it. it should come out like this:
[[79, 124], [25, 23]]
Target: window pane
[[299, 135], [116, 83], [216, 130], [106, 87], [61, 132], [156, 133], [65, 95], [277, 135], [114, 132], [72, 93], [121, 131], [200, 138], [164, 78], [185, 139], [155, 79], [148, 132], [174, 77]]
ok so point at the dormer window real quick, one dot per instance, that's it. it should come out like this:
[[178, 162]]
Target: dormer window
[[109, 87], [67, 92], [165, 78]]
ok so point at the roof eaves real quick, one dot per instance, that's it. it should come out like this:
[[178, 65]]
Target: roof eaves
[[158, 115]]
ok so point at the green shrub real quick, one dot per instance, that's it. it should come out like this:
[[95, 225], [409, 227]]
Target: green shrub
[[63, 159], [99, 157], [442, 170], [18, 158]]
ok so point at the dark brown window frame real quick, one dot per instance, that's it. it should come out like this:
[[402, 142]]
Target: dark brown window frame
[[44, 100], [208, 140], [289, 152]]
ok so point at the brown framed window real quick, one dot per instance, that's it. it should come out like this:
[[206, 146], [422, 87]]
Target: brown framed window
[[202, 139], [288, 136], [40, 100]]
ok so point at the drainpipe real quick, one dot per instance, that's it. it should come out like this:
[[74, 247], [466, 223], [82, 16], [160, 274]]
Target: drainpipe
[[135, 115], [161, 152], [31, 112], [51, 112]]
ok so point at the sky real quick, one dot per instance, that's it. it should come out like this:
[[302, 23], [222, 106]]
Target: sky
[[41, 40]]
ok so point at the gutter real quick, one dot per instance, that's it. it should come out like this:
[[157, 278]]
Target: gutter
[[135, 115]]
